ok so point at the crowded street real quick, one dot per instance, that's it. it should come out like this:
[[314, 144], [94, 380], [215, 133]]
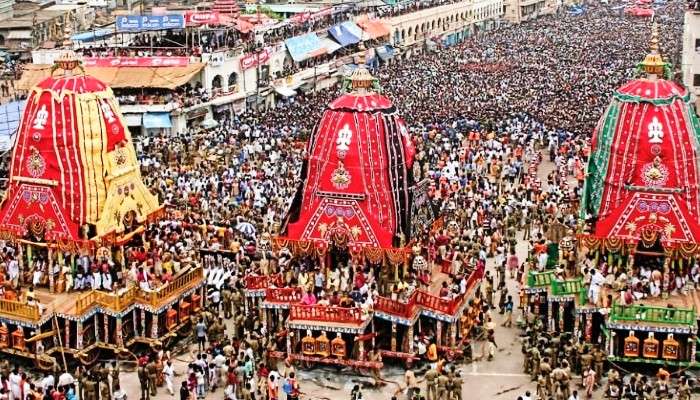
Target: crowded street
[[436, 227]]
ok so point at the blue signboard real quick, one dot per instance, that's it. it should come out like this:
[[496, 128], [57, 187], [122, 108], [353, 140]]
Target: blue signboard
[[134, 23]]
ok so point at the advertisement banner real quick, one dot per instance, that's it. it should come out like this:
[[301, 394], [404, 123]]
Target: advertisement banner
[[134, 23], [194, 18], [252, 60], [136, 61]]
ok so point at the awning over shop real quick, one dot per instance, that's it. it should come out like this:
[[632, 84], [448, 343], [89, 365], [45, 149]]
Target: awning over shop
[[132, 119], [305, 46], [10, 115], [374, 28], [285, 91], [120, 77], [91, 35], [330, 45], [19, 35], [385, 52], [346, 33], [155, 120], [244, 26]]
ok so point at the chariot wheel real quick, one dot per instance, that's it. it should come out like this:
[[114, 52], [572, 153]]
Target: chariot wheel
[[185, 330], [89, 357], [44, 363]]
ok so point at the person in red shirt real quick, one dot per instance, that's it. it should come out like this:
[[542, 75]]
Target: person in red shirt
[[359, 278], [272, 388]]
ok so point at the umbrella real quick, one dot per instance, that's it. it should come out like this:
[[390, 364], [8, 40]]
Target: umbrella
[[65, 379], [246, 228]]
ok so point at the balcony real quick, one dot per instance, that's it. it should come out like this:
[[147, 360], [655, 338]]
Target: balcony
[[287, 295], [569, 287], [326, 314], [539, 279], [19, 310], [396, 308], [650, 314], [259, 282], [177, 287], [119, 302], [421, 300]]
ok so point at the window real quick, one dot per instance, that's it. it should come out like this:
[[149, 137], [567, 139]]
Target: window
[[696, 80], [697, 45], [216, 82], [232, 81]]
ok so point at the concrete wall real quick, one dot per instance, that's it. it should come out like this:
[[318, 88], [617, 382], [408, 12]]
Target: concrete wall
[[691, 52], [409, 29]]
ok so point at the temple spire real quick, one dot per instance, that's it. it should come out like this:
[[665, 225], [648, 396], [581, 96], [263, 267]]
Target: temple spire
[[361, 80], [68, 60], [653, 63]]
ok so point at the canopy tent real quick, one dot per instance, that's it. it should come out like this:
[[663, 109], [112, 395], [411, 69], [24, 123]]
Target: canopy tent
[[155, 120], [305, 46], [244, 26], [285, 91], [133, 119], [346, 33], [90, 36], [330, 45], [373, 28], [385, 52], [19, 35], [120, 77], [10, 115]]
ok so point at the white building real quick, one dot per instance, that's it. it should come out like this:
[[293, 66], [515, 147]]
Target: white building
[[517, 11], [691, 54]]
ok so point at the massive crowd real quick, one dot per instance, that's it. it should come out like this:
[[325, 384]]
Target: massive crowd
[[483, 114]]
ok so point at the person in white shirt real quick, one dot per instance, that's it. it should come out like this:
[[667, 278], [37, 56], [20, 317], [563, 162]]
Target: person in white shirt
[[13, 272], [119, 393], [169, 375], [47, 382], [597, 280], [15, 382]]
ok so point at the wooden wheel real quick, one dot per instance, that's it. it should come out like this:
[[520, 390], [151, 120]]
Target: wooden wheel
[[125, 354], [166, 341], [185, 330], [89, 357], [44, 362]]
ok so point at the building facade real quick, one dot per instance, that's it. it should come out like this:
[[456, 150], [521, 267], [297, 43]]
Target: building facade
[[517, 11], [236, 79], [691, 53]]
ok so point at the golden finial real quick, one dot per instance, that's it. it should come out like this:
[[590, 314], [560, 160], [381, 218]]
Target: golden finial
[[67, 33], [361, 79], [654, 42], [653, 63]]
